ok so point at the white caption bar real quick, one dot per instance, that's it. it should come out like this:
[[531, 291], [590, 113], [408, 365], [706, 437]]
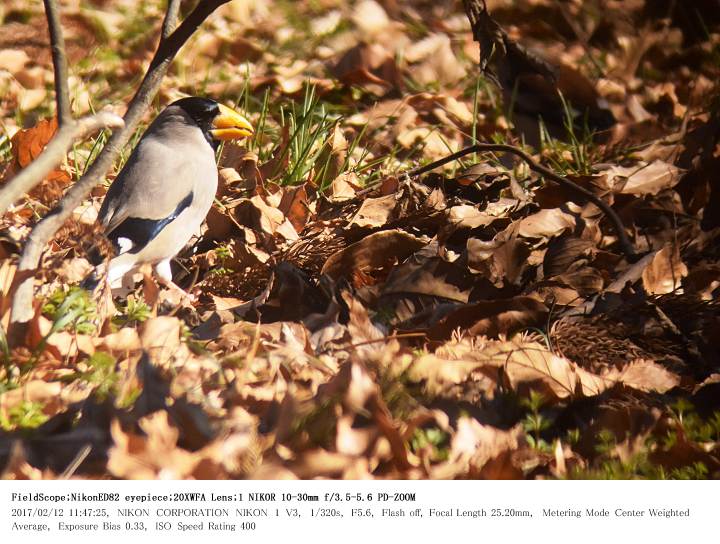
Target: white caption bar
[[354, 511]]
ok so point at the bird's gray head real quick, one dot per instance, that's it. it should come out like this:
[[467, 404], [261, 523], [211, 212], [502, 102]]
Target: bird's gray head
[[218, 122]]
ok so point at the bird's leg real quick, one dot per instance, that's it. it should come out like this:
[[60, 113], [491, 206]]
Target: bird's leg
[[164, 274], [117, 268]]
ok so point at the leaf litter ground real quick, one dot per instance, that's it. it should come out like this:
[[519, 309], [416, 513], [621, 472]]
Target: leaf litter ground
[[351, 321]]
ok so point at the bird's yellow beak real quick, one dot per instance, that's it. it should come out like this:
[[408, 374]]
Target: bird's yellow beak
[[230, 125]]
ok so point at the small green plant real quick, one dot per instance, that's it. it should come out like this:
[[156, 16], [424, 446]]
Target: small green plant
[[309, 128], [434, 439], [223, 252], [696, 471], [695, 428], [102, 373], [4, 348], [98, 143], [688, 426], [73, 310], [535, 423], [5, 145], [574, 156], [135, 310], [572, 437], [220, 271], [26, 415], [606, 442]]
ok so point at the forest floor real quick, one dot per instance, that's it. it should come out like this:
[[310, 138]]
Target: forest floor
[[352, 321]]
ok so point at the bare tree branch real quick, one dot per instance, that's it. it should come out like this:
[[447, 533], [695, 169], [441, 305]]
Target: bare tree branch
[[53, 154], [171, 17], [69, 129], [625, 243], [57, 44], [43, 232]]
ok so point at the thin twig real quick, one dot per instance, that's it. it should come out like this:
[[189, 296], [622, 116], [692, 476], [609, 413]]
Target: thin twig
[[53, 154], [625, 243], [44, 231], [76, 462], [57, 45]]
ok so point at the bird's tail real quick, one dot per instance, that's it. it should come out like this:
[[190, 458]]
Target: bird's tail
[[95, 277], [99, 255]]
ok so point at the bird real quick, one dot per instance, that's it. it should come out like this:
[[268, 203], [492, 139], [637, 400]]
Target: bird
[[165, 190]]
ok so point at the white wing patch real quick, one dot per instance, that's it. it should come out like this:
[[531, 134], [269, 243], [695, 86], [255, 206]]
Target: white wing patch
[[125, 244]]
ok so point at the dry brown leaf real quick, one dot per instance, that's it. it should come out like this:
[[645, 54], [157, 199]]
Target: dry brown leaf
[[376, 251], [478, 443], [332, 157], [367, 64], [361, 329], [501, 262], [533, 365], [665, 273], [160, 337], [62, 344], [295, 206], [644, 179], [444, 108], [370, 17], [29, 143], [468, 217], [259, 215], [154, 456], [491, 318], [320, 463], [440, 374], [53, 397], [350, 441], [437, 61], [344, 187], [545, 224], [648, 376], [13, 60], [375, 212]]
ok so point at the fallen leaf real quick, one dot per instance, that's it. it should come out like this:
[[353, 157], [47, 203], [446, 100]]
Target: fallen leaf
[[344, 187], [665, 272], [370, 17], [367, 64], [545, 224], [437, 61], [294, 205], [644, 179], [648, 376], [27, 144], [491, 318], [13, 60], [375, 212], [376, 251]]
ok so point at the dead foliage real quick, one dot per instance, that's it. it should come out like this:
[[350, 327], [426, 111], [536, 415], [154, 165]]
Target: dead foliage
[[478, 321]]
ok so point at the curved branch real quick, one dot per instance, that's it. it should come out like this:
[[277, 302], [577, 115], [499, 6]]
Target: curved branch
[[625, 243], [43, 232], [53, 154]]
